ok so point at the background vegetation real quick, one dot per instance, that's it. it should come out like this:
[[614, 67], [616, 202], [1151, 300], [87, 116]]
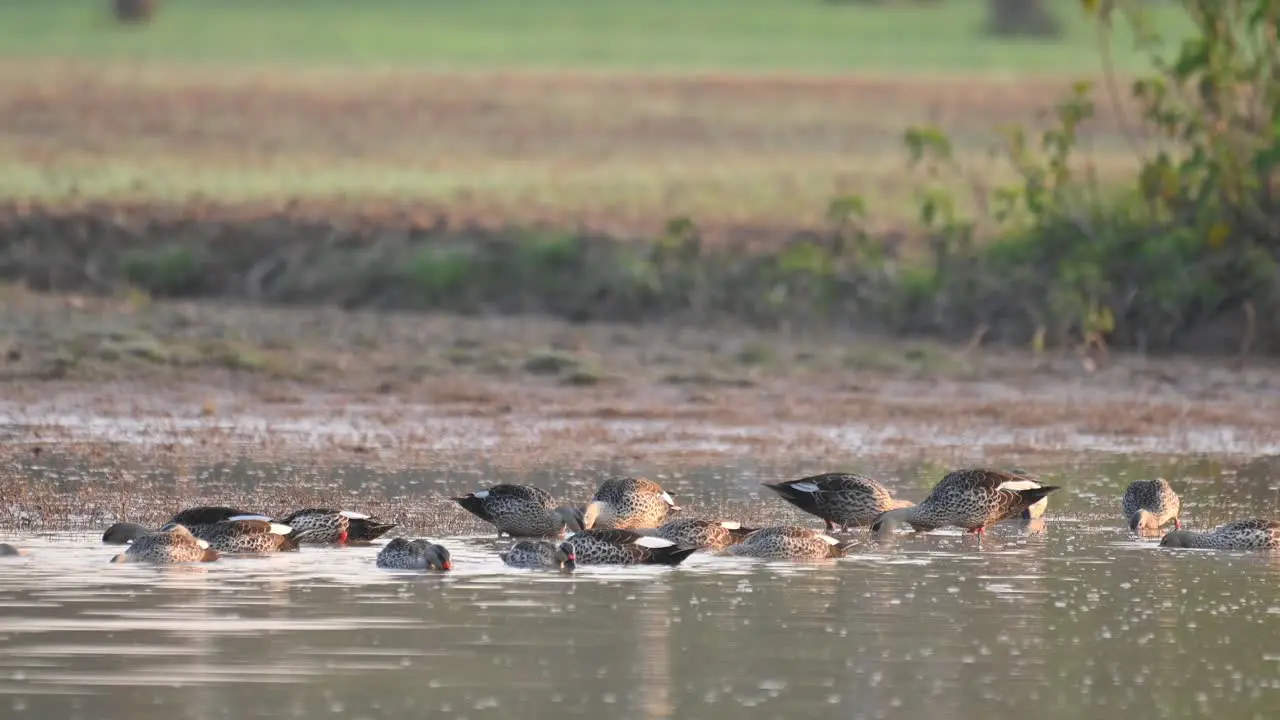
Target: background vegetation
[[282, 153]]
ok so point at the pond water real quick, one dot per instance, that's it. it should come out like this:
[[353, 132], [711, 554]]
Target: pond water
[[1078, 620]]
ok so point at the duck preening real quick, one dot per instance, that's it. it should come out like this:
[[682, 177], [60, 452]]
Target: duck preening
[[1149, 504], [623, 503], [970, 499]]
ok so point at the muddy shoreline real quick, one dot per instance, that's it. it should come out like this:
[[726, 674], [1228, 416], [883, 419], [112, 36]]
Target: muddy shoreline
[[182, 381]]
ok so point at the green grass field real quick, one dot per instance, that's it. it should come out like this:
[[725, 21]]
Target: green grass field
[[760, 111], [810, 36]]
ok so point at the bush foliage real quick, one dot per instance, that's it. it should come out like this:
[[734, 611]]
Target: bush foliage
[[1192, 241]]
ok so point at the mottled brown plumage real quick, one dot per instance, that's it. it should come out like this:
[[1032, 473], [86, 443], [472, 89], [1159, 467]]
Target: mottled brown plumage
[[841, 500], [776, 543], [1149, 504], [970, 499], [1255, 534], [625, 502]]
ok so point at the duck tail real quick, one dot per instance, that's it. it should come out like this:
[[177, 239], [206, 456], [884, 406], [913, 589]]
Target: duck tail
[[800, 498], [474, 505], [1031, 496], [673, 555], [366, 529]]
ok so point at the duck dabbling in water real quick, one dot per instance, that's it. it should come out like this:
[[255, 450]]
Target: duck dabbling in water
[[404, 554], [1255, 534], [225, 536], [626, 547], [540, 554], [698, 533], [1148, 504], [775, 543], [323, 526], [970, 499], [169, 545], [521, 511], [841, 500], [623, 503]]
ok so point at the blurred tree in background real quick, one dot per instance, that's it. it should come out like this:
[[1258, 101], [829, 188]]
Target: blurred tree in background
[[1028, 18], [134, 11]]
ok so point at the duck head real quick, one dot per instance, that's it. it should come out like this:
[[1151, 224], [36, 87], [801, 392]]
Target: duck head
[[1142, 520], [438, 558], [567, 556], [1176, 539], [598, 513], [889, 521]]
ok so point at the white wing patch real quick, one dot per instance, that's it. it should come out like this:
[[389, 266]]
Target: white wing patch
[[805, 487], [1018, 485], [731, 525], [667, 496], [828, 539], [353, 515], [481, 494], [280, 529], [653, 542], [203, 544], [249, 516]]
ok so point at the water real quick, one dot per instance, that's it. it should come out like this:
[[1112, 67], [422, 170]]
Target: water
[[1078, 620]]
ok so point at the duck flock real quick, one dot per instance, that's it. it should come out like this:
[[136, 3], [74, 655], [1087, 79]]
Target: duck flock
[[634, 521]]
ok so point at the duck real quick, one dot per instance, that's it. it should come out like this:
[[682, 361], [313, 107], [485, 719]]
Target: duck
[[1035, 510], [626, 547], [170, 545], [7, 550], [404, 554], [699, 533], [1254, 534], [622, 503], [1149, 504], [123, 533], [789, 541], [971, 498], [841, 500], [521, 511], [324, 526], [541, 554], [242, 534]]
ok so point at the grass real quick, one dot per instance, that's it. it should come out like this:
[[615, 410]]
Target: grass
[[809, 36], [620, 154]]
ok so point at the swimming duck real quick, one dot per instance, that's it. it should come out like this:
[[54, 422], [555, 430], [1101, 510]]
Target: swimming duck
[[1253, 534], [622, 503], [521, 511], [404, 554], [169, 545], [788, 541], [7, 550], [841, 500], [323, 526], [123, 533], [625, 547], [970, 499], [1148, 504], [698, 533], [242, 534], [540, 554]]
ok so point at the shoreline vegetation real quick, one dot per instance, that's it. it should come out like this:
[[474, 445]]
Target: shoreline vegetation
[[1065, 247]]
